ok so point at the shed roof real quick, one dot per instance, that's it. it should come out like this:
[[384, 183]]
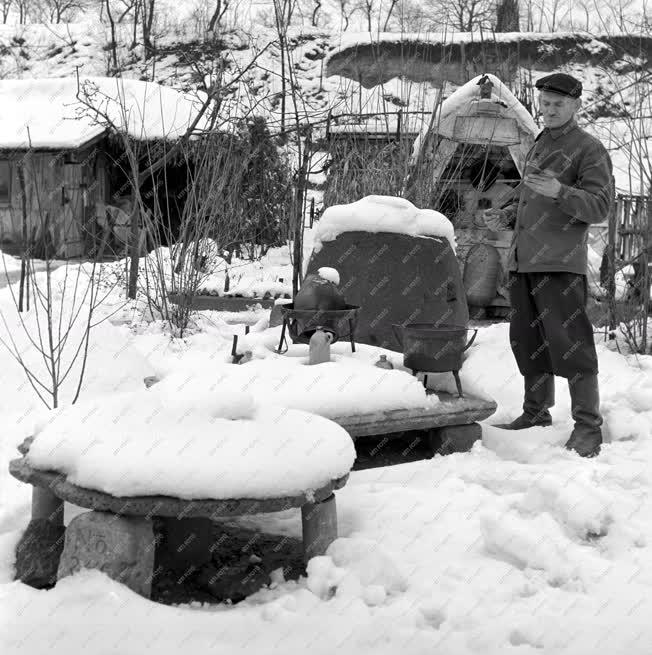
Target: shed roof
[[64, 113]]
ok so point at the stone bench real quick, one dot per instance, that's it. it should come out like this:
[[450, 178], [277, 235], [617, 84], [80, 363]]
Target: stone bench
[[117, 535], [451, 425]]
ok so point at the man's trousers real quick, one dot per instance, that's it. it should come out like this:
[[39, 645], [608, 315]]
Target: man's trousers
[[550, 331]]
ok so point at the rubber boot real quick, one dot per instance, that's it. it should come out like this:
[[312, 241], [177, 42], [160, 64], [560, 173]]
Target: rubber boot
[[539, 397], [586, 437]]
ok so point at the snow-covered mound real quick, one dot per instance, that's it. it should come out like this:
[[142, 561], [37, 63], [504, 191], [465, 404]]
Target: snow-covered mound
[[209, 443], [345, 387], [382, 214]]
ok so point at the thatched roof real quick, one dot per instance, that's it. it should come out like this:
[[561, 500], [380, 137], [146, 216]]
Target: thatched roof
[[373, 59]]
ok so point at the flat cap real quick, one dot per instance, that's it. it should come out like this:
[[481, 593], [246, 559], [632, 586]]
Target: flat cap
[[561, 83]]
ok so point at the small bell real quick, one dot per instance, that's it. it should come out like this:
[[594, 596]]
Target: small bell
[[383, 362]]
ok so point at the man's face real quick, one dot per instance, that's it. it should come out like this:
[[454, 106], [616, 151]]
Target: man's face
[[557, 109]]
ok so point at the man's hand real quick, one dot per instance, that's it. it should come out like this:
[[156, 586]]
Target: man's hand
[[495, 219], [543, 182]]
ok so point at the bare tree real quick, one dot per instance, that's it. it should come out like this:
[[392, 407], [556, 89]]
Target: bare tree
[[507, 16], [57, 11], [25, 9], [345, 10], [315, 12], [147, 12], [390, 11], [221, 8], [49, 335], [468, 15], [368, 6], [283, 12], [5, 7], [113, 44]]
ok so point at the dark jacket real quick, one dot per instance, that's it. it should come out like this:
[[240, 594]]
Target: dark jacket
[[550, 234]]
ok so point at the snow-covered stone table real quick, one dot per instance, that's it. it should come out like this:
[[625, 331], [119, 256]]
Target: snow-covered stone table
[[185, 461], [189, 523]]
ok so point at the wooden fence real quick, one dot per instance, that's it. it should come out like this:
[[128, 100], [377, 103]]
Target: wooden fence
[[630, 245]]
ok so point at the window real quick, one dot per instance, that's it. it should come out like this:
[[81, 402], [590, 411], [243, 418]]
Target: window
[[5, 182]]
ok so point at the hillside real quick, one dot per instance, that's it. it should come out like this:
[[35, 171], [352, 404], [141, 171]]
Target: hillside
[[333, 72]]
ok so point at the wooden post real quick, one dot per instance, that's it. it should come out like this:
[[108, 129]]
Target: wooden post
[[45, 505], [25, 245], [611, 263], [319, 523], [646, 226]]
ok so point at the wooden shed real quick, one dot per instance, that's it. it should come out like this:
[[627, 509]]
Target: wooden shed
[[59, 190]]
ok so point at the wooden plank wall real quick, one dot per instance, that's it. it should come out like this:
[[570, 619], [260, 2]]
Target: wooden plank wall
[[64, 192]]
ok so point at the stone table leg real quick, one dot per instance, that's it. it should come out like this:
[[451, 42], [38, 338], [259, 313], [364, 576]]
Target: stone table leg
[[319, 523], [120, 546], [45, 505], [454, 438], [39, 549]]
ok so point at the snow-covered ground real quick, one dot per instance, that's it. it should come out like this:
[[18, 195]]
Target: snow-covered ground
[[516, 547]]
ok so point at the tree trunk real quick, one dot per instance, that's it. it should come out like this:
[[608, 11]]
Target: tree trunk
[[281, 29], [297, 258], [134, 252], [315, 11], [114, 45], [147, 22], [23, 259], [507, 16], [389, 14], [220, 9]]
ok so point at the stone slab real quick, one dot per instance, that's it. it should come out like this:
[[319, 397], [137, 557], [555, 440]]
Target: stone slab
[[38, 553], [149, 506], [451, 410], [123, 548], [395, 278]]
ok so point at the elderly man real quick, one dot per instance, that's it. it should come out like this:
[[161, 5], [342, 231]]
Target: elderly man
[[567, 185]]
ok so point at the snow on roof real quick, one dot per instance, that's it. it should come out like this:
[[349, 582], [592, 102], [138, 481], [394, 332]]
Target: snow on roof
[[461, 99], [56, 113]]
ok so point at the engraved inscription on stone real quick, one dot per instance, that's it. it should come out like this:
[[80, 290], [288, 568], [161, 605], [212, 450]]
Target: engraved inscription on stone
[[121, 547]]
